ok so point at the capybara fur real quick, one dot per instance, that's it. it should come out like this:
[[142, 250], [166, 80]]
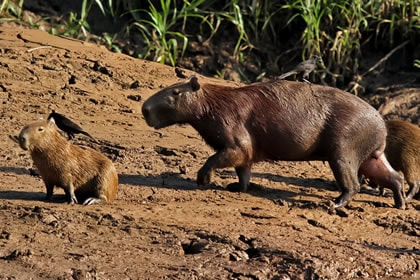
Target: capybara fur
[[85, 174], [403, 152], [280, 120]]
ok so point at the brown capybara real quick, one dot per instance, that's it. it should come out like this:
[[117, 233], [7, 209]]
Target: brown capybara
[[280, 120], [82, 172], [403, 152]]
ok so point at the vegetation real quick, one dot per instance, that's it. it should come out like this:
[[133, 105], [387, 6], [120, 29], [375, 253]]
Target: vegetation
[[271, 34]]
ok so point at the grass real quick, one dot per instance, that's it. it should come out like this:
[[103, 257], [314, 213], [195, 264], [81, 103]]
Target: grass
[[271, 32]]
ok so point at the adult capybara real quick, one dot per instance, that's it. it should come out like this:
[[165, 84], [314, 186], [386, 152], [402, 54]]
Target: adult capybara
[[403, 152], [82, 172], [280, 120]]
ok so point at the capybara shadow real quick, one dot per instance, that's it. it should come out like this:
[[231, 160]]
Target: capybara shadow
[[280, 120]]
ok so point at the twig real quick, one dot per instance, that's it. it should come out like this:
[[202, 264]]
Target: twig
[[385, 58], [37, 48]]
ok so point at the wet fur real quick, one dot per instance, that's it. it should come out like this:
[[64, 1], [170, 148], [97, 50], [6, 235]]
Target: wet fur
[[278, 120], [82, 172]]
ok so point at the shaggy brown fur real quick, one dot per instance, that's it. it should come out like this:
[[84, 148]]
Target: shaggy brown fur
[[280, 120], [83, 173], [403, 152]]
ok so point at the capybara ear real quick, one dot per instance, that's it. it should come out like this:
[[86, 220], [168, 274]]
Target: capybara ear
[[194, 83]]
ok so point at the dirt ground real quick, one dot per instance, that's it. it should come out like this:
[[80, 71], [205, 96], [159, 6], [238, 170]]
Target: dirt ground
[[162, 226]]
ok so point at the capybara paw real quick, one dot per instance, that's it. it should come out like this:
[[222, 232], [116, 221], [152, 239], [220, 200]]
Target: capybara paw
[[73, 200], [339, 203], [93, 200], [203, 178], [234, 187], [400, 205]]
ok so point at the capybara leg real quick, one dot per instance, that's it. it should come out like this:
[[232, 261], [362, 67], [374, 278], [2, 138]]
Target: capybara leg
[[71, 197], [413, 190], [222, 159], [50, 190], [94, 200], [380, 172], [204, 174], [347, 179], [244, 175], [373, 185], [381, 191]]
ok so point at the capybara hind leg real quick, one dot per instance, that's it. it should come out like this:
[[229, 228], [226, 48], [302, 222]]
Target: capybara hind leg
[[413, 190], [244, 175], [347, 179], [380, 172]]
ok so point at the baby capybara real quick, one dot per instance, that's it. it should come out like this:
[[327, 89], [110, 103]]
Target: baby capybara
[[403, 152], [82, 172], [280, 120]]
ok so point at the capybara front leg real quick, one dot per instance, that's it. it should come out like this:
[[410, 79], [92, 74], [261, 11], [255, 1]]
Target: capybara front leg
[[205, 173], [380, 172], [347, 179], [244, 175], [413, 190], [222, 159], [71, 197]]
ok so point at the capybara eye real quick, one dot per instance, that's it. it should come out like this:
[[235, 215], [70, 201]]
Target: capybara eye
[[40, 129], [176, 91]]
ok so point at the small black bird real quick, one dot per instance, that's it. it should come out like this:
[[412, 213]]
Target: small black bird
[[180, 73], [305, 67], [68, 126]]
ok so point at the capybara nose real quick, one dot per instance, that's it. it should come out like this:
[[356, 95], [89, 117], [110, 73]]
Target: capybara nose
[[22, 141], [21, 138]]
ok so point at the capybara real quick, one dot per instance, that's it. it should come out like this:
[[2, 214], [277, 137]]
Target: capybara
[[403, 152], [280, 120], [82, 172]]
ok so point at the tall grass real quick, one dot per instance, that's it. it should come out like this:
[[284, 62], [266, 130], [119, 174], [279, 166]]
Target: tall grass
[[13, 10], [76, 24], [163, 28], [272, 32]]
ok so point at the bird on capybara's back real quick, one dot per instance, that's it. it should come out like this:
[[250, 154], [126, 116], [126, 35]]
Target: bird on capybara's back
[[85, 174]]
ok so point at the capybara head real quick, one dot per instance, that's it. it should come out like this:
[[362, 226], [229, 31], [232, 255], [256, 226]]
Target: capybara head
[[38, 134], [168, 106]]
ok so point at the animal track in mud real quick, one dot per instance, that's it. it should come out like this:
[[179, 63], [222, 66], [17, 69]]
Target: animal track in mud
[[407, 225]]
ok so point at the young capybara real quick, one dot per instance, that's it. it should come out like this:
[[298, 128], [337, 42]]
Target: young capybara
[[82, 172], [280, 120], [403, 152]]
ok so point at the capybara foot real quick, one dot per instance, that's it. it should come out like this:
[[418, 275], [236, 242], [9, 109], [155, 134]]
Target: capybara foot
[[203, 177], [93, 200], [413, 191], [400, 204], [73, 200], [342, 200]]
